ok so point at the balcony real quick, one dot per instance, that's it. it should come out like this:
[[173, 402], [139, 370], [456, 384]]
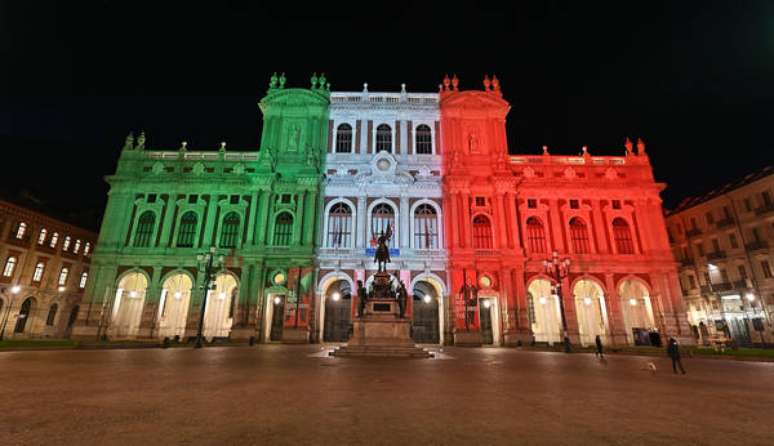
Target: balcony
[[765, 209], [740, 284], [722, 286], [716, 255], [726, 222], [693, 232], [757, 245]]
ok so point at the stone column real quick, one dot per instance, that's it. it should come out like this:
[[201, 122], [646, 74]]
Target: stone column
[[616, 325], [466, 220], [600, 227], [454, 234], [263, 213], [404, 221], [251, 218], [309, 218], [297, 222], [360, 224], [502, 222], [149, 315], [209, 226], [570, 312]]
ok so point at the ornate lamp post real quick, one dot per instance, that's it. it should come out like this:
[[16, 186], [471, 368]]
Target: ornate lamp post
[[211, 263], [557, 270], [14, 291]]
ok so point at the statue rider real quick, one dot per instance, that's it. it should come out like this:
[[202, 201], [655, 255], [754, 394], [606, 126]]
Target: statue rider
[[362, 294]]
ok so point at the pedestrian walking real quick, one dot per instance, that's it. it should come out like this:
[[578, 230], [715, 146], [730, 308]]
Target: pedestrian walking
[[599, 353], [673, 351]]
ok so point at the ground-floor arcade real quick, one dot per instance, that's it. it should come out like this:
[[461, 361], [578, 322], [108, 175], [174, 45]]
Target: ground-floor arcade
[[32, 313]]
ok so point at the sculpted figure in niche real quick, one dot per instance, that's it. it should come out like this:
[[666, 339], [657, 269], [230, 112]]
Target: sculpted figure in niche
[[295, 138], [473, 142]]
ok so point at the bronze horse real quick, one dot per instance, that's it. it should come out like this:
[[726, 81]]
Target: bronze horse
[[382, 255]]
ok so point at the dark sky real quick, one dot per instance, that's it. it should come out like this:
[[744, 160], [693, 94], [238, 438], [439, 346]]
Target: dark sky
[[695, 79]]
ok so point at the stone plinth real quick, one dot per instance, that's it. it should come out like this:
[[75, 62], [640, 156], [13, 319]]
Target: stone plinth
[[295, 336], [471, 338]]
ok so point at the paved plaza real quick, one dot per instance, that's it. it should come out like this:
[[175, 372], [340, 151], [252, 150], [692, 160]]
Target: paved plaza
[[295, 395]]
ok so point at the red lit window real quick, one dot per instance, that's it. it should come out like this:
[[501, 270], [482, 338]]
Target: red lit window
[[482, 233], [579, 235], [536, 236], [622, 236]]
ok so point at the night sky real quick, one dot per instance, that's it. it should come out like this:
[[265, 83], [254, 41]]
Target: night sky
[[694, 79]]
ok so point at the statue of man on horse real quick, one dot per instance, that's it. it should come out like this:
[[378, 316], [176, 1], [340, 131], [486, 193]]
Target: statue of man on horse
[[382, 255]]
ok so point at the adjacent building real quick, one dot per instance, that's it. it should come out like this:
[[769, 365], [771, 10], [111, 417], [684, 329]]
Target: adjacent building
[[45, 269], [723, 240]]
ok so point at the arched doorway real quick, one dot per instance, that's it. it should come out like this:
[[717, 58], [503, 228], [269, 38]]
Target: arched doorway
[[545, 316], [592, 313], [71, 320], [637, 311], [425, 328], [25, 314], [174, 304], [338, 312], [219, 312], [128, 304]]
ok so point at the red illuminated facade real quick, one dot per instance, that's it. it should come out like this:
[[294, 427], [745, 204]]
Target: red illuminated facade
[[505, 215]]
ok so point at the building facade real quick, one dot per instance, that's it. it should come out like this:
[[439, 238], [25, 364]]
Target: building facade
[[383, 169], [258, 210], [45, 269], [722, 241], [472, 229]]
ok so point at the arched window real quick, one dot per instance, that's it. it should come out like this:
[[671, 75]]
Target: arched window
[[229, 235], [579, 235], [84, 278], [63, 273], [622, 236], [382, 217], [425, 227], [66, 243], [340, 226], [51, 314], [76, 246], [42, 236], [384, 138], [21, 229], [54, 240], [87, 249], [37, 275], [344, 138], [24, 314], [283, 229], [73, 316], [145, 225], [10, 266], [482, 232], [424, 140], [536, 236], [187, 232]]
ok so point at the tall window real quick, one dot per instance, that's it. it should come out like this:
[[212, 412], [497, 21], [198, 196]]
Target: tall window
[[482, 232], [766, 268], [424, 140], [76, 246], [42, 236], [579, 235], [54, 240], [344, 138], [622, 236], [187, 231], [425, 227], [21, 229], [66, 243], [37, 275], [142, 238], [24, 315], [63, 276], [51, 314], [340, 226], [87, 249], [229, 235], [536, 236], [10, 266], [84, 278], [283, 229], [382, 217], [384, 138]]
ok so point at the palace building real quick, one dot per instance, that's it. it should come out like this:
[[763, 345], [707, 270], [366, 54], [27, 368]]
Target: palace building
[[293, 226]]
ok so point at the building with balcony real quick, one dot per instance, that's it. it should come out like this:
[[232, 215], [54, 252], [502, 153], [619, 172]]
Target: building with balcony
[[722, 242], [45, 270]]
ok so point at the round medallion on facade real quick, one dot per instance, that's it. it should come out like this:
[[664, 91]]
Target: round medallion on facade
[[278, 278], [383, 165], [485, 281]]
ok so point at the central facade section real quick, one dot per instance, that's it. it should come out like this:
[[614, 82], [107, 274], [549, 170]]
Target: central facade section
[[383, 174]]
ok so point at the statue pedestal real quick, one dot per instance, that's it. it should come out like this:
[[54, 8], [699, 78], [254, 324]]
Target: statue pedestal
[[471, 338], [381, 332]]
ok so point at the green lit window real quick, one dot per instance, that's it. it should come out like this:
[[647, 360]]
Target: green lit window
[[145, 225], [230, 232], [187, 233], [283, 229]]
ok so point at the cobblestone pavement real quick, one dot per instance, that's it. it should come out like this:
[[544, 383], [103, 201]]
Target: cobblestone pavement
[[295, 395]]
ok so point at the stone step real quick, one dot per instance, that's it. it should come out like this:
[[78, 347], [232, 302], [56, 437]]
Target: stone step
[[380, 351]]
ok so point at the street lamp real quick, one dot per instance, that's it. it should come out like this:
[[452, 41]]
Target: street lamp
[[558, 270], [14, 291], [211, 262]]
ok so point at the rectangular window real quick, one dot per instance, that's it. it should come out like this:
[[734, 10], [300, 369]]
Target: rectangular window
[[715, 245], [616, 204], [726, 213], [574, 204], [532, 203], [724, 275], [766, 269], [285, 198], [151, 198], [480, 201], [692, 281], [234, 199], [710, 218], [707, 279], [766, 196], [742, 272], [700, 249], [733, 241], [747, 204], [756, 234], [686, 254], [192, 199], [693, 223]]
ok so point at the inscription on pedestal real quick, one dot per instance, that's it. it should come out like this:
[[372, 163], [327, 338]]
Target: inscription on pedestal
[[382, 307]]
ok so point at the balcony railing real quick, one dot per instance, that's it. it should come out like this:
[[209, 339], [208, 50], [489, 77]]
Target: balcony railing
[[693, 232], [765, 209], [757, 245], [726, 222], [716, 255]]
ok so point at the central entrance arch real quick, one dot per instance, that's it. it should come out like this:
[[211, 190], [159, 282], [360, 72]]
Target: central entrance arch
[[175, 300], [592, 313], [128, 305], [544, 313], [219, 312], [425, 325], [338, 312]]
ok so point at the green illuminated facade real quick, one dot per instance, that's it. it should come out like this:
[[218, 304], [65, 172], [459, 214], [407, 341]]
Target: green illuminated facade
[[258, 208]]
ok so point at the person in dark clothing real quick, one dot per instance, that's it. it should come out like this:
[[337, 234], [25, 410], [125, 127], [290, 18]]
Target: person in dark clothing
[[598, 342], [673, 351]]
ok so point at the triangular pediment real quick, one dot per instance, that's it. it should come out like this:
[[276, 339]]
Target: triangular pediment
[[474, 99]]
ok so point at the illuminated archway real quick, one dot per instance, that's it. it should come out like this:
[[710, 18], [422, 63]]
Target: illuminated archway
[[636, 308], [128, 304], [173, 305], [591, 309], [544, 312], [219, 312]]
